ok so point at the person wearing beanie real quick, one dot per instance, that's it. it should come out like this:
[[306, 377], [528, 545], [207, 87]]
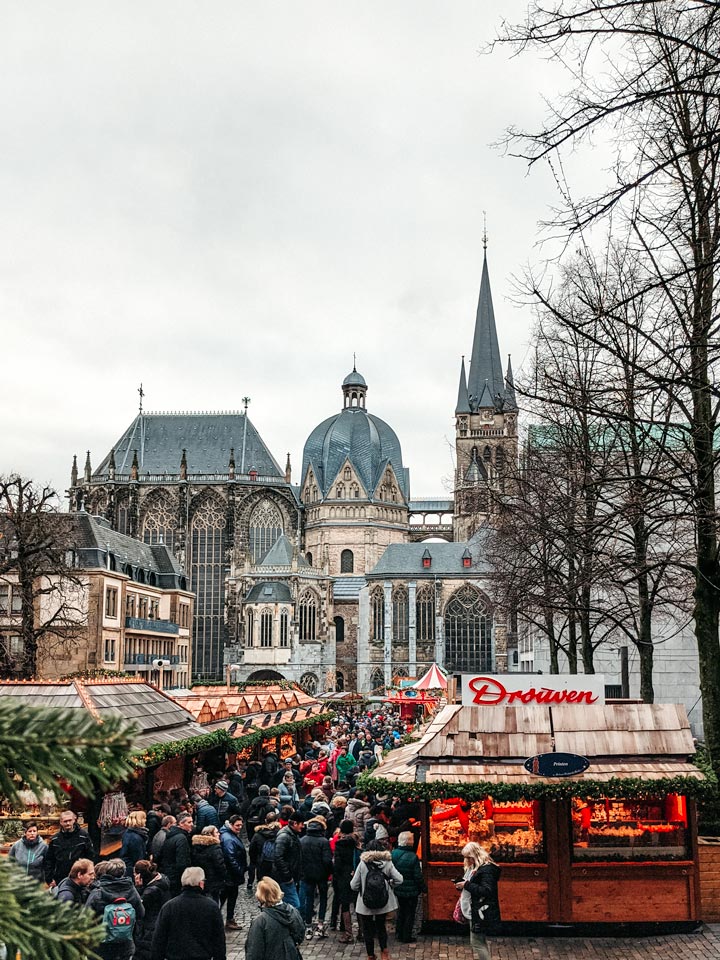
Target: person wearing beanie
[[259, 808], [316, 870], [288, 859], [224, 802]]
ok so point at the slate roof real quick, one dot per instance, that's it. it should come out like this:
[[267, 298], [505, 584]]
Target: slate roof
[[405, 560], [354, 379], [280, 554], [431, 506], [364, 439], [93, 538], [348, 588], [160, 438], [159, 719], [270, 591]]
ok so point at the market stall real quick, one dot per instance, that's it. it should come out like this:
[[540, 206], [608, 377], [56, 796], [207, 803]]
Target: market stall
[[615, 843]]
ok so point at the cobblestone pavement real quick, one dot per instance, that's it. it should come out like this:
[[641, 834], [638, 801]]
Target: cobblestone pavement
[[703, 945]]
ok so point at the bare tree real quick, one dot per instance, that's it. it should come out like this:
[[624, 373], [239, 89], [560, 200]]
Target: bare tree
[[37, 570]]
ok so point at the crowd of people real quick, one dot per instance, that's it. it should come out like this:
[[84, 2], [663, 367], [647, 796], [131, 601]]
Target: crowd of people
[[297, 832]]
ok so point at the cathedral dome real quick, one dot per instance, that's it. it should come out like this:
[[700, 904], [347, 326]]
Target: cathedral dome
[[358, 436]]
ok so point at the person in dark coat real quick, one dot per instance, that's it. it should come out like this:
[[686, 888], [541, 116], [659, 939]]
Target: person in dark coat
[[258, 810], [481, 883], [346, 847], [158, 840], [236, 865], [69, 844], [154, 891], [206, 814], [175, 853], [224, 802], [189, 925], [278, 929], [316, 870], [76, 886], [406, 862], [207, 853], [135, 841], [263, 835], [29, 852], [114, 885], [288, 859]]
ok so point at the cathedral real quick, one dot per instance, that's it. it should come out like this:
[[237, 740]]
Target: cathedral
[[338, 582]]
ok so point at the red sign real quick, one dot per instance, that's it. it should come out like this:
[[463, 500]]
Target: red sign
[[516, 689]]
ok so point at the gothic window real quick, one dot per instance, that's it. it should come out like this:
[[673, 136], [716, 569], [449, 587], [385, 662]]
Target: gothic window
[[468, 632], [339, 630], [347, 561], [284, 629], [347, 473], [500, 458], [487, 454], [355, 491], [377, 604], [207, 571], [266, 526], [340, 494], [425, 612], [99, 505], [394, 494], [266, 628], [400, 614], [308, 557], [377, 680], [339, 681], [309, 683], [308, 616], [123, 517], [159, 523], [249, 628]]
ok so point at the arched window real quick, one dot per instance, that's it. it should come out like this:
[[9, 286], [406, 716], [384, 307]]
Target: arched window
[[425, 613], [340, 493], [266, 628], [347, 561], [159, 521], [308, 557], [487, 454], [377, 680], [377, 605], [207, 571], [308, 616], [339, 681], [123, 517], [309, 683], [468, 632], [284, 629], [266, 526], [339, 630], [249, 629], [347, 473], [400, 614]]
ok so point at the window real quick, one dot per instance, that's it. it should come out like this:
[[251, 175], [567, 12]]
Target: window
[[377, 680], [284, 629], [16, 599], [266, 526], [339, 630], [266, 628], [308, 557], [143, 608], [468, 632], [109, 652], [377, 606], [207, 571], [612, 829], [154, 612], [111, 597], [130, 605], [159, 521], [309, 683], [249, 629], [487, 455], [425, 613], [184, 615], [400, 615], [4, 599], [509, 831], [347, 473], [308, 616], [347, 561]]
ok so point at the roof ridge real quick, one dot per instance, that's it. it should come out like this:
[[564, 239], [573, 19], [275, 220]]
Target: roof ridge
[[87, 699]]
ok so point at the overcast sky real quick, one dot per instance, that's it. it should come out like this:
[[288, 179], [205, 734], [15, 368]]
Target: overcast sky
[[229, 198]]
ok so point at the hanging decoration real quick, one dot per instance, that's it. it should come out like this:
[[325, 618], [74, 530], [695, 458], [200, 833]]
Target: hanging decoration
[[114, 810]]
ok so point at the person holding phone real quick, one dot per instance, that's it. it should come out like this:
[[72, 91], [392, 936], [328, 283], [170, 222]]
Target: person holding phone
[[479, 900]]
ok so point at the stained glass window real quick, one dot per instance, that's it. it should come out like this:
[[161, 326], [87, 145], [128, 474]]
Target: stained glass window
[[284, 629], [266, 628], [159, 524], [347, 561], [207, 561], [308, 616], [400, 614], [309, 683], [377, 603], [266, 526], [468, 632], [425, 612]]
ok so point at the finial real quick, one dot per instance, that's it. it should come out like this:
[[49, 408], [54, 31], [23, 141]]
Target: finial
[[245, 402], [142, 394], [134, 469], [288, 470], [484, 239], [354, 362], [183, 465], [88, 468], [111, 464], [74, 472], [231, 464]]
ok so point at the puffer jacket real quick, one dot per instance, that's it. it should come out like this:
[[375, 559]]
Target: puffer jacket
[[483, 888], [235, 856], [288, 856], [30, 857], [359, 812], [406, 862], [273, 933], [175, 856], [64, 849], [134, 847], [394, 878], [104, 892], [207, 853], [346, 847], [316, 853], [206, 816], [268, 832]]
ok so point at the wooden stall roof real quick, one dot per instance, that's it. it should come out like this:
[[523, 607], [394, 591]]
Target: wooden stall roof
[[158, 718], [471, 744], [212, 704]]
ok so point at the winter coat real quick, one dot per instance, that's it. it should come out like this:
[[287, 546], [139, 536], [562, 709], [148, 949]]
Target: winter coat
[[235, 856], [394, 878], [153, 823], [207, 853], [104, 892], [268, 832], [175, 856], [269, 768], [483, 887], [375, 829], [406, 862], [275, 933], [226, 806], [154, 896], [157, 844], [134, 847], [346, 846], [206, 816], [288, 856], [289, 794], [189, 927], [67, 891], [359, 812], [259, 809], [30, 857], [344, 764], [64, 849], [316, 854]]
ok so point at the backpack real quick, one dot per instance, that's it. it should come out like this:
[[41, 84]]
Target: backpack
[[268, 851], [375, 893], [118, 921]]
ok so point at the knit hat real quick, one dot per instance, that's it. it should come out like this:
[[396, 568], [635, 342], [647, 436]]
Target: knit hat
[[296, 818], [320, 809], [222, 785]]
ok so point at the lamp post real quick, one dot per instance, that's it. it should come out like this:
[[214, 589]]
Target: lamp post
[[228, 671]]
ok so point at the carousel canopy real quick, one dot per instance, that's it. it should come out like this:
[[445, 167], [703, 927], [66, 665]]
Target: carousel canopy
[[434, 679]]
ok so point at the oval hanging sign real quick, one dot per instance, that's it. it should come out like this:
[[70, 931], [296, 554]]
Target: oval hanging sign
[[557, 765]]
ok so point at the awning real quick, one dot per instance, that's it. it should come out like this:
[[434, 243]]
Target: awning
[[433, 679]]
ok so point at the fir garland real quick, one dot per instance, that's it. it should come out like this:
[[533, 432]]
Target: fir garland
[[249, 684], [161, 752]]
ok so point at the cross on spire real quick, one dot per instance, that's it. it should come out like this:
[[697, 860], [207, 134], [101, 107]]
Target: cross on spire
[[142, 394], [484, 238]]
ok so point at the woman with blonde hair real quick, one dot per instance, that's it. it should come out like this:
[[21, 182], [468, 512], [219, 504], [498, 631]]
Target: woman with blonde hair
[[276, 932], [479, 900], [134, 841]]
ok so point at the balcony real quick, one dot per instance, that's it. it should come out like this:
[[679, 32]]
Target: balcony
[[143, 661], [151, 626]]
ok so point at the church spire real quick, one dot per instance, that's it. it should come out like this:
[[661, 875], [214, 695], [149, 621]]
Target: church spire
[[486, 380], [510, 399], [463, 404]]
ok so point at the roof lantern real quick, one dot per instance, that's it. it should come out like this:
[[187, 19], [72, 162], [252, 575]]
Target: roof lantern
[[426, 559], [354, 388], [466, 558]]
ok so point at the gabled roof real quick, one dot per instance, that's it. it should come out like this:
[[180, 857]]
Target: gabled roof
[[405, 559], [280, 554], [270, 591], [208, 438]]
